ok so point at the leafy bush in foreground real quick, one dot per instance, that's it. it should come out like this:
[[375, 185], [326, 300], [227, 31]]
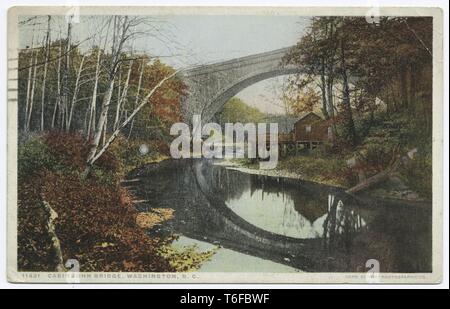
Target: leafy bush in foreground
[[96, 221], [97, 226], [33, 156]]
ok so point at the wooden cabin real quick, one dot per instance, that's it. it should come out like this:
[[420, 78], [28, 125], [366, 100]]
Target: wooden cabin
[[304, 132], [311, 130]]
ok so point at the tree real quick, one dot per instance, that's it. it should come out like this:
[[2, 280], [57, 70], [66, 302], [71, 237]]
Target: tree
[[362, 63], [47, 57], [306, 101], [73, 79], [123, 30], [91, 122], [349, 125], [114, 135], [236, 110], [65, 78], [316, 52]]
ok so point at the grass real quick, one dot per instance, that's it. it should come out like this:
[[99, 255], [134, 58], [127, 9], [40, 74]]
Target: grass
[[320, 168]]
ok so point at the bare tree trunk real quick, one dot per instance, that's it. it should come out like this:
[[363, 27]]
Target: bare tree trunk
[[29, 81], [101, 121], [91, 123], [86, 120], [348, 117], [123, 124], [55, 108], [94, 114], [65, 78], [43, 96], [58, 83], [119, 94], [105, 130], [137, 93], [383, 175], [323, 89], [123, 96], [330, 72], [75, 93], [47, 57], [108, 95], [27, 103], [33, 82], [330, 102]]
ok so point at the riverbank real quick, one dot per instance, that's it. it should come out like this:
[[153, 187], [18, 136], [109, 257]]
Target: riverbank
[[62, 216], [333, 171], [94, 219], [306, 168]]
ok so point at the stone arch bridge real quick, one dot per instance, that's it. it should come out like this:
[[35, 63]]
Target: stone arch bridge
[[211, 86]]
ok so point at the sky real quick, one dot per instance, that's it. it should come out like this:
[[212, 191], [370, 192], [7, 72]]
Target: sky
[[186, 40]]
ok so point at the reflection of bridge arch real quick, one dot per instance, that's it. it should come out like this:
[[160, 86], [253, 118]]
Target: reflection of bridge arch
[[211, 86], [238, 234], [192, 190]]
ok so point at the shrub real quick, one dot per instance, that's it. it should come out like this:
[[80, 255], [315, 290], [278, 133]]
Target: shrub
[[186, 258], [418, 174], [34, 156], [71, 150], [96, 221], [389, 138], [97, 226]]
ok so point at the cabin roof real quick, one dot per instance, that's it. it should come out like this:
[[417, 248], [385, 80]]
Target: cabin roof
[[286, 124], [303, 116]]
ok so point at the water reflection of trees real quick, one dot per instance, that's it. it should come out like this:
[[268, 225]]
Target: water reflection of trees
[[229, 184], [343, 222]]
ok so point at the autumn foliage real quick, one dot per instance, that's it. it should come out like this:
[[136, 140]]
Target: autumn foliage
[[96, 222], [72, 150], [97, 226], [34, 244]]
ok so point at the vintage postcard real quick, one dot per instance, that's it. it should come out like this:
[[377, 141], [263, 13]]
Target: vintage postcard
[[225, 145]]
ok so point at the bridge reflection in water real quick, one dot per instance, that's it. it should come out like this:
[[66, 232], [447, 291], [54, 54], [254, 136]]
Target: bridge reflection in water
[[303, 225]]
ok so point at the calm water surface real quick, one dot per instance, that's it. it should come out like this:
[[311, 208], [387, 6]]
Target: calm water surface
[[282, 225]]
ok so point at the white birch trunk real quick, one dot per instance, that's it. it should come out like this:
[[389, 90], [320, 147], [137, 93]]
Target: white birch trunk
[[137, 94], [27, 103], [123, 96], [75, 93], [47, 57], [107, 98], [91, 123], [65, 90], [142, 103], [58, 83], [33, 83]]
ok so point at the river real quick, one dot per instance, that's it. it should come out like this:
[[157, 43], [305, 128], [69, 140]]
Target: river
[[274, 224]]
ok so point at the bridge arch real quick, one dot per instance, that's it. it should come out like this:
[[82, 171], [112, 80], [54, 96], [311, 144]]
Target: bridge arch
[[209, 87], [218, 103]]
